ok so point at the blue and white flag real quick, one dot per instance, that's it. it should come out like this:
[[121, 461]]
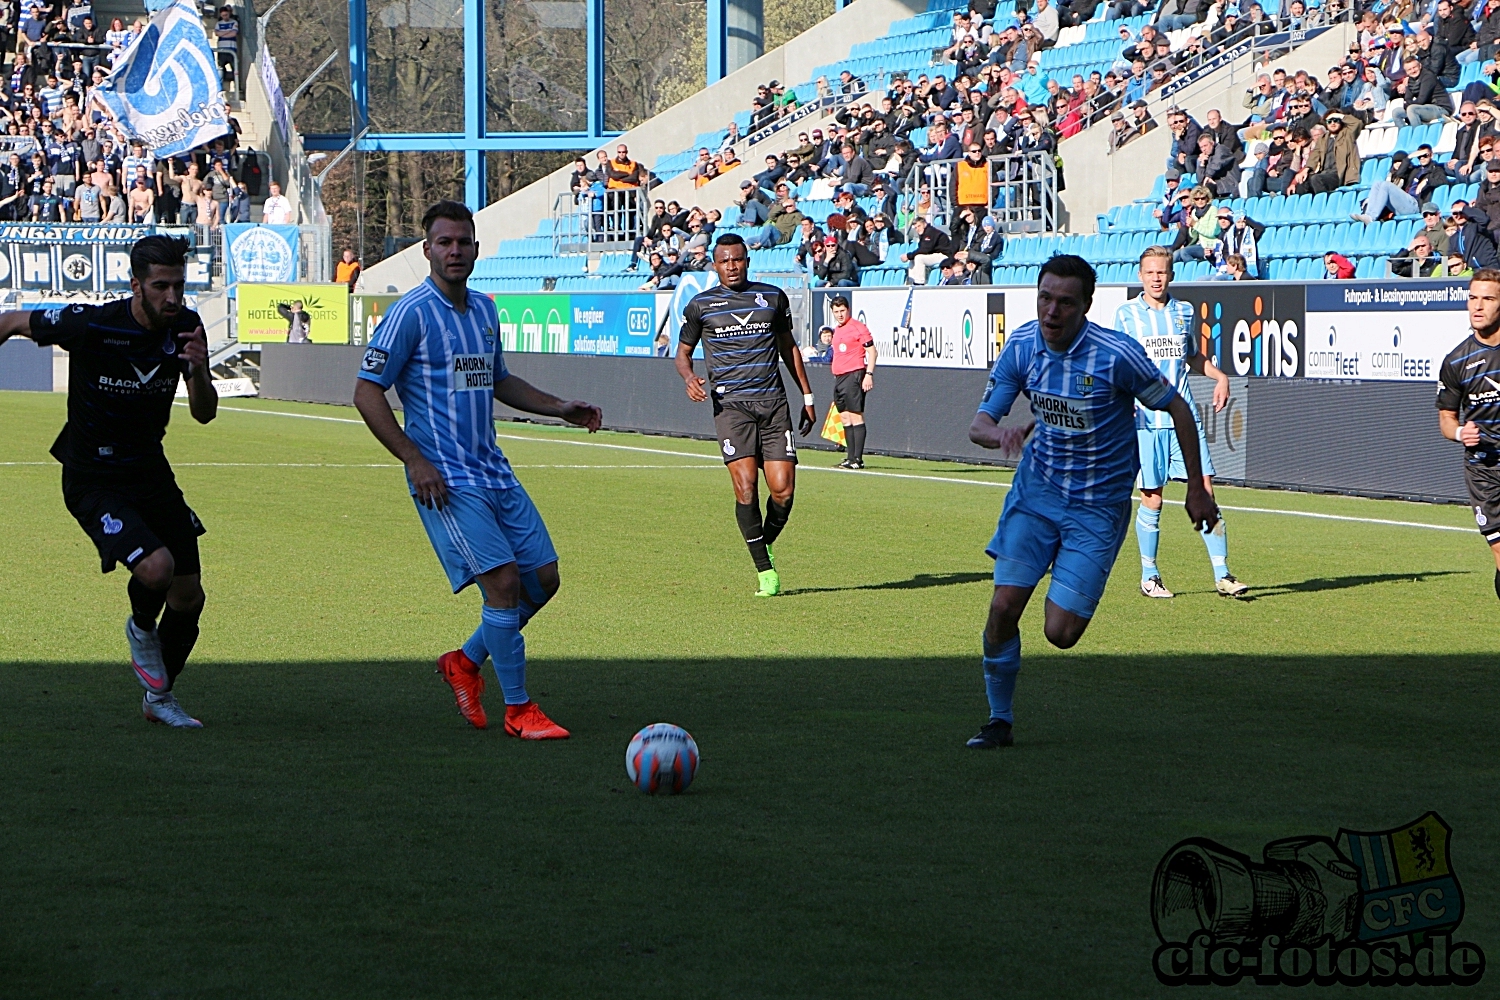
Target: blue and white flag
[[165, 91], [260, 253]]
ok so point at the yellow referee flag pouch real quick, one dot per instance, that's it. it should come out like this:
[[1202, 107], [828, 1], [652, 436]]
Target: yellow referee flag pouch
[[833, 428]]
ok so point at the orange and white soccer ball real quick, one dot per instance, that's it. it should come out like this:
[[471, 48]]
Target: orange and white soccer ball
[[662, 758]]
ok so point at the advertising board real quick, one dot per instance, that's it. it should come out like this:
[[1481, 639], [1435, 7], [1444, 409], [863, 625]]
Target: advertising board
[[265, 312]]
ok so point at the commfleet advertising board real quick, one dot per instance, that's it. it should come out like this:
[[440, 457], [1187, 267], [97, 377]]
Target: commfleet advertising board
[[1382, 331]]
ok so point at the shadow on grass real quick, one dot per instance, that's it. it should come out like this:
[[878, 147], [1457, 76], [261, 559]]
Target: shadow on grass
[[340, 817], [1320, 583], [921, 581]]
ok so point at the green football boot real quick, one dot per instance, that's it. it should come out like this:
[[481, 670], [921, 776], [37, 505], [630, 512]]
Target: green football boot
[[770, 584]]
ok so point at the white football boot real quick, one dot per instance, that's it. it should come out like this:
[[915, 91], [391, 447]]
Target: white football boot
[[145, 657], [163, 708]]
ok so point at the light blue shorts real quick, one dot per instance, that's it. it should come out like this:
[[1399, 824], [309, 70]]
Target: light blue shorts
[[1161, 457], [1039, 528], [479, 530]]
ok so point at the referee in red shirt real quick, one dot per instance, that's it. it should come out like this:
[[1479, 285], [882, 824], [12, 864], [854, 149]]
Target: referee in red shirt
[[853, 376]]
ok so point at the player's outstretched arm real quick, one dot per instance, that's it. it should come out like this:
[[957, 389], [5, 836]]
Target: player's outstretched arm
[[786, 345], [426, 480], [1201, 509], [203, 398], [519, 394]]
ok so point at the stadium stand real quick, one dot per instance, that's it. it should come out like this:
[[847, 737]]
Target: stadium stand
[[1294, 229], [73, 164]]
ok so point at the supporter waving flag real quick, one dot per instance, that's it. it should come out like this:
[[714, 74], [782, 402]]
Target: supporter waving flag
[[165, 91]]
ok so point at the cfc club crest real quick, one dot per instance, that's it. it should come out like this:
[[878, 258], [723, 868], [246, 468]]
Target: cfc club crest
[[1084, 384], [1375, 909]]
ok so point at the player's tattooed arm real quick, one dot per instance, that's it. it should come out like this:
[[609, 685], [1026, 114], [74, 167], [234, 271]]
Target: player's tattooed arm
[[519, 394], [426, 480]]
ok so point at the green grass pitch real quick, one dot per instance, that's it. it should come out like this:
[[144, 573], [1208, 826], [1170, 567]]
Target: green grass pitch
[[337, 831]]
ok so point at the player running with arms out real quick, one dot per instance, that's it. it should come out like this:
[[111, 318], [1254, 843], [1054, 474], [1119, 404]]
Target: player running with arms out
[[1069, 504], [1164, 327], [437, 347], [1468, 403], [746, 329], [853, 376], [126, 359]]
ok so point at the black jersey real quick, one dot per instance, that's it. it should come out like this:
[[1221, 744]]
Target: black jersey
[[1469, 385], [122, 378], [740, 332]]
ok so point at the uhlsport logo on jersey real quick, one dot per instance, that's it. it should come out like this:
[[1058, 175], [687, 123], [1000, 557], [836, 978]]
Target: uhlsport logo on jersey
[[1375, 909]]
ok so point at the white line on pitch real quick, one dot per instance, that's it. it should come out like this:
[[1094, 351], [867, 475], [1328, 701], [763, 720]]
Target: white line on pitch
[[896, 475]]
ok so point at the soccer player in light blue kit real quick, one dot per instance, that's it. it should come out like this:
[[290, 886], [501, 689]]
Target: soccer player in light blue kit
[[437, 346], [1069, 504], [1164, 327]]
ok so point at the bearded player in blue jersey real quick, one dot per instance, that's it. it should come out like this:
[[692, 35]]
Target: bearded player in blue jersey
[[1069, 504], [437, 347], [1164, 327]]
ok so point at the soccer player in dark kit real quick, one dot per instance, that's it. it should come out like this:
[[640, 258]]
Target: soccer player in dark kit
[[746, 330], [1468, 403], [126, 359]]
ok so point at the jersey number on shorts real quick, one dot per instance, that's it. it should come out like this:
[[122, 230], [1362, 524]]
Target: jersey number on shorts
[[791, 449]]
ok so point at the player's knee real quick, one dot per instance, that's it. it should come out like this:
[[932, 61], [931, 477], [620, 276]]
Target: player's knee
[[501, 586], [1064, 631], [186, 595], [1063, 636], [541, 583], [1005, 608], [155, 571]]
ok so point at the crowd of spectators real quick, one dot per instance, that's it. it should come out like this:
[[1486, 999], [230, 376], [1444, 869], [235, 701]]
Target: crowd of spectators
[[987, 95], [1301, 135], [62, 159]]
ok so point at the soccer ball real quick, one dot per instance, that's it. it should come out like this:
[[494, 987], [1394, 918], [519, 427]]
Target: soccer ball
[[662, 758]]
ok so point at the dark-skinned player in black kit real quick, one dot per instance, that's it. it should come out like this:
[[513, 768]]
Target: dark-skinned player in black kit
[[126, 358], [746, 330]]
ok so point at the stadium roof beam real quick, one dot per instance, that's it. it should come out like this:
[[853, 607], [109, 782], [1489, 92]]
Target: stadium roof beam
[[736, 36]]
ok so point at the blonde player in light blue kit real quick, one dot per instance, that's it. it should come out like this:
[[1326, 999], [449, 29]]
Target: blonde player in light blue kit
[[1164, 327]]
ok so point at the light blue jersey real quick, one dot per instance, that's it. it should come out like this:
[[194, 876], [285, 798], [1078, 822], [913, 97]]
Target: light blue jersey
[[445, 365], [1167, 336], [1084, 401]]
